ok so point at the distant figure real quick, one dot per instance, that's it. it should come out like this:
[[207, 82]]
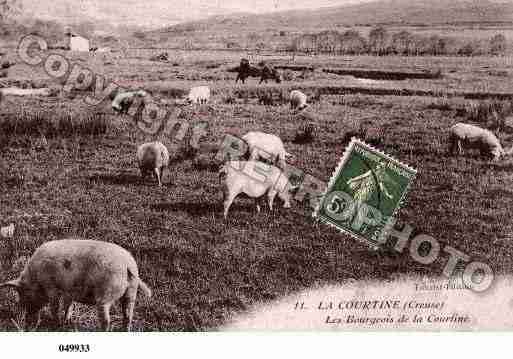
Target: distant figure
[[265, 72], [245, 70]]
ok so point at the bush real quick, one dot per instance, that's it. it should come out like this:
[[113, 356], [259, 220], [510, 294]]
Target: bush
[[206, 162], [288, 75], [306, 133], [490, 113], [498, 45], [306, 74], [481, 111], [160, 57], [315, 96], [498, 73], [356, 100], [441, 104], [50, 125], [373, 135], [266, 98], [229, 99]]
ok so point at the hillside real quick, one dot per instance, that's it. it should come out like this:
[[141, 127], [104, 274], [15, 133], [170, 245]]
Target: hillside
[[400, 12]]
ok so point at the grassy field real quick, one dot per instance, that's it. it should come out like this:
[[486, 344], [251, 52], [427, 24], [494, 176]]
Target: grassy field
[[202, 268]]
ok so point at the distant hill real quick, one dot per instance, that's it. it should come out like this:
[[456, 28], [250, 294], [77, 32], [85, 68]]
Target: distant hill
[[393, 12]]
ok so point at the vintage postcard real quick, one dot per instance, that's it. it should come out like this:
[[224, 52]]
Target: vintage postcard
[[216, 165]]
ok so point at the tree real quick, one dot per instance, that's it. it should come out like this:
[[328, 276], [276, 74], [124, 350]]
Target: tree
[[440, 45], [252, 39], [353, 43], [401, 42], [308, 43], [498, 45], [468, 49], [378, 40], [327, 41]]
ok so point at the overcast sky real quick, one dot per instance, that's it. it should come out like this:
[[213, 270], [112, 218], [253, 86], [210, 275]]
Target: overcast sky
[[162, 12]]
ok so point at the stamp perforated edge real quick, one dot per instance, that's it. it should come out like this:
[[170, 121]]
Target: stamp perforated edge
[[389, 224]]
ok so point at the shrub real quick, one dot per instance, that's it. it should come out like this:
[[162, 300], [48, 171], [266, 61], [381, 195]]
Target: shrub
[[498, 73], [229, 99], [498, 44], [356, 100], [488, 110], [288, 75], [306, 133], [206, 162], [315, 96], [440, 103], [266, 98], [50, 125], [373, 135], [491, 114], [306, 74]]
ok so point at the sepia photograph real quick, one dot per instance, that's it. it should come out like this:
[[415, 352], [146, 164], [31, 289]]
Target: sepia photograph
[[255, 166]]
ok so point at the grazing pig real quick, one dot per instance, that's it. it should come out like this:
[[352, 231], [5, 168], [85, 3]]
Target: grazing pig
[[272, 145], [153, 157], [470, 136], [198, 95], [255, 179], [8, 231], [122, 102], [298, 100], [85, 271]]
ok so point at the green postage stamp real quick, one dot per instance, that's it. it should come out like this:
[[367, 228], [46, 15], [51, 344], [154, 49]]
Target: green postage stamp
[[364, 193]]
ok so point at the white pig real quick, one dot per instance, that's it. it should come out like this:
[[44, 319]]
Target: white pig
[[153, 157], [463, 135], [255, 179], [263, 143], [85, 271]]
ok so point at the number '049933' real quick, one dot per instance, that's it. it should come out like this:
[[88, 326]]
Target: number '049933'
[[74, 348]]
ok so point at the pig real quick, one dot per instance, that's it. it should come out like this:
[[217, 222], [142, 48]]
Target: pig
[[464, 135], [298, 100], [255, 179], [153, 157], [85, 271], [123, 100], [267, 144], [198, 95]]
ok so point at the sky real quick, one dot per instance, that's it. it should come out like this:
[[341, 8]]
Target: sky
[[156, 13]]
